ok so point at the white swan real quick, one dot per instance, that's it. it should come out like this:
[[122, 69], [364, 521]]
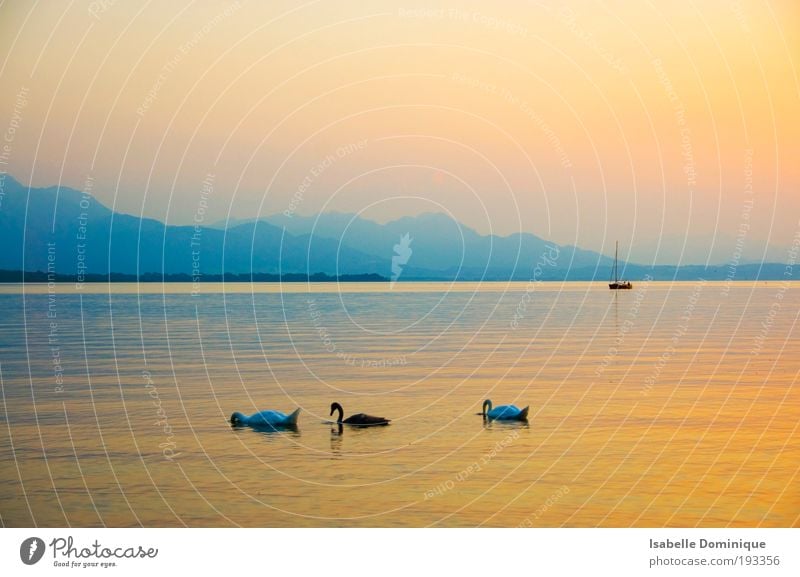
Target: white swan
[[266, 419], [504, 412]]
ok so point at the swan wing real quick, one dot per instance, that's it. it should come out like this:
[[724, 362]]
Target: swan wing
[[505, 412], [268, 418], [364, 419]]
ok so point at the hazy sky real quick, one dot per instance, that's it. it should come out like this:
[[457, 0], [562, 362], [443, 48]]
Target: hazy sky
[[673, 127]]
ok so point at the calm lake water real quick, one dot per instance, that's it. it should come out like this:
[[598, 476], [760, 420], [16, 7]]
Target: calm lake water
[[675, 404]]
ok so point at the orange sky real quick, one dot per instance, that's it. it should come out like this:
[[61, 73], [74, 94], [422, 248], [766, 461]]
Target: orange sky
[[651, 124]]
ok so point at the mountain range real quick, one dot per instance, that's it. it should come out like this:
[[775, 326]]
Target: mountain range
[[70, 233]]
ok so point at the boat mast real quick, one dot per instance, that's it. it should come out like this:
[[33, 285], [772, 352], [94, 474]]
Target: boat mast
[[616, 270]]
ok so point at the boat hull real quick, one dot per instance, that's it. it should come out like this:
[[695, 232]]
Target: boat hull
[[621, 285]]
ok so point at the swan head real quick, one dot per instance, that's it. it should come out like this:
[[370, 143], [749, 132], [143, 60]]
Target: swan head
[[237, 418], [336, 407], [487, 406]]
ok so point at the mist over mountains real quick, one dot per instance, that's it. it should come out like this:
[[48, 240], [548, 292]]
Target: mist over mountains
[[68, 232]]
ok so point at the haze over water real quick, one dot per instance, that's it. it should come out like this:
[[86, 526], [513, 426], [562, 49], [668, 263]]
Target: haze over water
[[675, 404]]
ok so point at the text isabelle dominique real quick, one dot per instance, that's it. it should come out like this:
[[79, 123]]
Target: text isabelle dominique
[[706, 544]]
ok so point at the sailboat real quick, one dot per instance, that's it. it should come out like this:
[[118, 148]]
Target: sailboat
[[617, 284]]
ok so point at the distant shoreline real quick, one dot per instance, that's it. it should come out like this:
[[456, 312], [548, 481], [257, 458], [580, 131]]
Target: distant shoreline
[[771, 272], [633, 272]]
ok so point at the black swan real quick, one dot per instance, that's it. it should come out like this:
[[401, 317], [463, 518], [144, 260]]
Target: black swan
[[360, 419]]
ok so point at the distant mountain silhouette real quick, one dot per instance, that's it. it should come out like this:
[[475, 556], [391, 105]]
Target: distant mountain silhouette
[[110, 242], [73, 233], [445, 248]]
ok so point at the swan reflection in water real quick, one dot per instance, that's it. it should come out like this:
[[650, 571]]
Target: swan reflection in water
[[502, 425], [269, 430], [337, 431]]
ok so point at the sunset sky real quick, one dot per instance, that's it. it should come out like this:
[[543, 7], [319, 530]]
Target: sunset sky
[[672, 127]]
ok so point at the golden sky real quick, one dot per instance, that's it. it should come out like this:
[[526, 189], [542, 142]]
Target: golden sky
[[673, 127]]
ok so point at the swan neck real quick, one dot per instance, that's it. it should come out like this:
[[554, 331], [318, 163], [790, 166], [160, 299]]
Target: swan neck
[[341, 413], [487, 406]]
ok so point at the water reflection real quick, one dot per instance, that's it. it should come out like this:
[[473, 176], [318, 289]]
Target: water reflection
[[718, 408], [337, 431], [500, 424], [270, 430]]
